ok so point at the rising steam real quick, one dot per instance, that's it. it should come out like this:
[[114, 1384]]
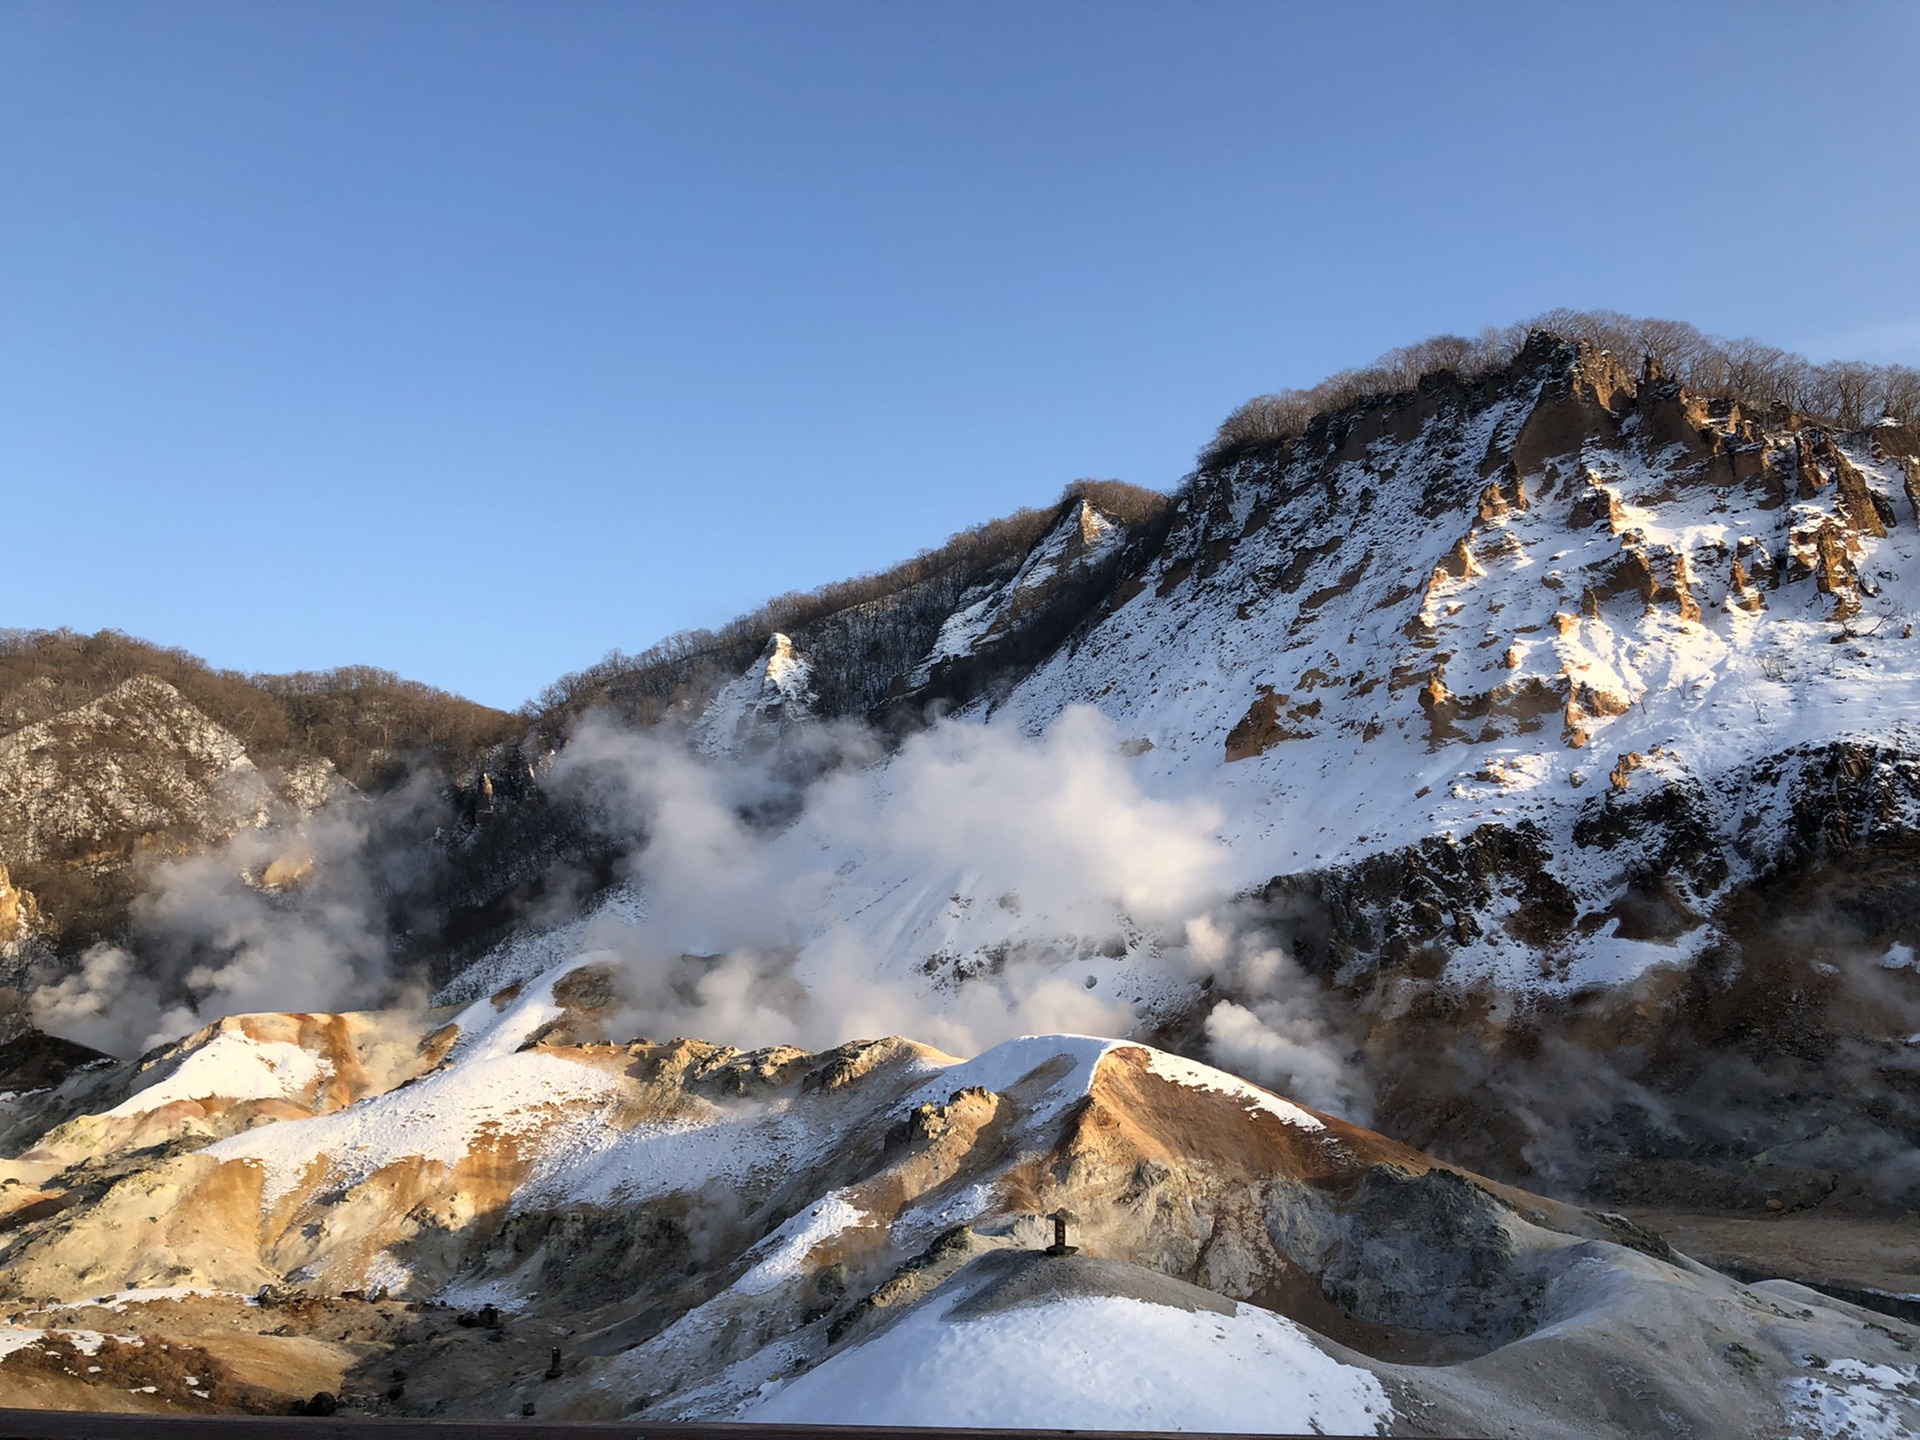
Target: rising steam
[[977, 884], [283, 919], [972, 840]]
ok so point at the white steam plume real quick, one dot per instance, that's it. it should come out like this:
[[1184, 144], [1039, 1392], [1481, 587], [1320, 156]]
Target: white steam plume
[[971, 840], [283, 919], [1280, 1037], [978, 884]]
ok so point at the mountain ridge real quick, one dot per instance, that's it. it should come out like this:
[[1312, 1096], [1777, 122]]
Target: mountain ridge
[[1622, 667], [1509, 772]]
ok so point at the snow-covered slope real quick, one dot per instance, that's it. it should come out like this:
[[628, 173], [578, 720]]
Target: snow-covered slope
[[1081, 541], [1513, 605], [170, 767], [1560, 704]]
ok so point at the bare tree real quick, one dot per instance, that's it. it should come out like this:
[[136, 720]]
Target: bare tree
[[1900, 394], [1752, 370], [1673, 345], [1845, 390]]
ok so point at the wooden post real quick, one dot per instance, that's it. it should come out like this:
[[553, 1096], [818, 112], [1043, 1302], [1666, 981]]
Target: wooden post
[[1060, 1246]]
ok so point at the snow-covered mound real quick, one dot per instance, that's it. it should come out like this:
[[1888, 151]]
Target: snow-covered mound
[[1064, 1351]]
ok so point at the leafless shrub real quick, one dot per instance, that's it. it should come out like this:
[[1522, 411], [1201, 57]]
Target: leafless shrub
[[1901, 395], [1272, 419], [1129, 504]]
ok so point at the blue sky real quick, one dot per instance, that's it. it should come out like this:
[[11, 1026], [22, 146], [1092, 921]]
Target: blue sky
[[475, 339]]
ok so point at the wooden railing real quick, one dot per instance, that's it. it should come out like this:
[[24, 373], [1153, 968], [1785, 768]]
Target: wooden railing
[[81, 1425]]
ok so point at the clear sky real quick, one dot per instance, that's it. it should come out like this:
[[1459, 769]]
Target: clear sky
[[474, 339]]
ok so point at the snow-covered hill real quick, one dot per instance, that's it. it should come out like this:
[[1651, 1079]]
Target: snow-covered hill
[[503, 1206]]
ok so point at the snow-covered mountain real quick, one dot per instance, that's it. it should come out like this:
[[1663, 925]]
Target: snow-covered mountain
[[1561, 722], [1520, 765], [1508, 606], [1512, 607]]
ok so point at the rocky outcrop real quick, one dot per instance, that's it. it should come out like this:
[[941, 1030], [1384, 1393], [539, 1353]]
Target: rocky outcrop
[[1050, 592], [19, 914], [134, 766], [137, 774], [775, 694]]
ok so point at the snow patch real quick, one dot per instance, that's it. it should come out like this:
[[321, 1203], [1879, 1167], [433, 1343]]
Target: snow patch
[[233, 1066], [523, 956], [538, 1097], [478, 1294], [13, 1338], [796, 1239], [1007, 1065], [1194, 1075], [119, 1300], [386, 1273], [1852, 1400]]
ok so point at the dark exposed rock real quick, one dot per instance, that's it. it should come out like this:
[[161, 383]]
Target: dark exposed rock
[[1401, 910], [1433, 1252]]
